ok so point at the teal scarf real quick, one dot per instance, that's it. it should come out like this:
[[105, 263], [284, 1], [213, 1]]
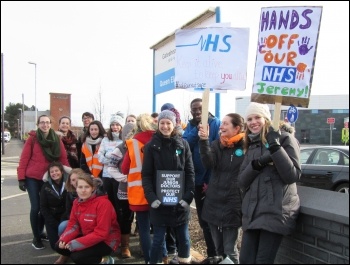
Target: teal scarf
[[50, 145]]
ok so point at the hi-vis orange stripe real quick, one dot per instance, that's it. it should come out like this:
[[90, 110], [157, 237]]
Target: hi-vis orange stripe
[[136, 195], [94, 165]]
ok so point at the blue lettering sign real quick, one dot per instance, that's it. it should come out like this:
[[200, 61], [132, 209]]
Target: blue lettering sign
[[278, 74], [170, 199]]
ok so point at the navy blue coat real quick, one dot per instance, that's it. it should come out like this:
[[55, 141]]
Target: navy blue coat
[[162, 153], [202, 174]]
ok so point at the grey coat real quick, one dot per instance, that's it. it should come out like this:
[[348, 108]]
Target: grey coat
[[271, 201]]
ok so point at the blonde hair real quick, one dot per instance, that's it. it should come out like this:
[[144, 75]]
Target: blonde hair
[[79, 172], [286, 127], [263, 133], [144, 122]]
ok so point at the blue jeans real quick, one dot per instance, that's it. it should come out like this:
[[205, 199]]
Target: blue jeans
[[225, 240], [36, 219], [259, 246], [61, 227], [144, 225], [182, 234]]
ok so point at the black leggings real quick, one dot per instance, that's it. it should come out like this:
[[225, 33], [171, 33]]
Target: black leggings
[[199, 199], [91, 255], [125, 216], [259, 247]]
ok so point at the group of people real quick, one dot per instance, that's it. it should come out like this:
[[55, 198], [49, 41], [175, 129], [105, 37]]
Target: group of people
[[80, 221], [240, 171]]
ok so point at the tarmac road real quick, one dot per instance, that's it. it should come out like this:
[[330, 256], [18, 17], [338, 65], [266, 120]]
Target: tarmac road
[[16, 234]]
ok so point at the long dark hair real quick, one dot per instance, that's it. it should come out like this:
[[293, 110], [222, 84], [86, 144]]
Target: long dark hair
[[110, 133], [101, 130], [236, 120]]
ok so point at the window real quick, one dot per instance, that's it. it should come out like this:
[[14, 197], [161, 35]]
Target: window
[[340, 111], [334, 157], [304, 155], [326, 157], [305, 136]]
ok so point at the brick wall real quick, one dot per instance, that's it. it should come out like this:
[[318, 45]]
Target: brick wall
[[60, 105], [322, 234]]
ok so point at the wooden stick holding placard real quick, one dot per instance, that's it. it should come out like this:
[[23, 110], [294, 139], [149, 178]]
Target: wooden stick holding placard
[[205, 107], [277, 113]]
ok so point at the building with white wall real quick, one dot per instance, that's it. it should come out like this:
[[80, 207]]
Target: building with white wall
[[29, 120]]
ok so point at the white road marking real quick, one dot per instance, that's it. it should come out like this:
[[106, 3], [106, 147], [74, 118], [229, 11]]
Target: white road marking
[[13, 196]]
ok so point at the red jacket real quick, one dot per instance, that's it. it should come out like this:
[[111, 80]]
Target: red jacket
[[96, 220], [33, 163]]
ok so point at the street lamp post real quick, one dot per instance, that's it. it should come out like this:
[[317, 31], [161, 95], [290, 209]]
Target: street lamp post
[[237, 98], [18, 128], [36, 109], [21, 124]]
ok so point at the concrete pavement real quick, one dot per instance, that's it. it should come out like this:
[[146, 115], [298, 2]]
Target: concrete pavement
[[16, 235]]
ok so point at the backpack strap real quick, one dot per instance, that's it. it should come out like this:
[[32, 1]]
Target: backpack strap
[[33, 141]]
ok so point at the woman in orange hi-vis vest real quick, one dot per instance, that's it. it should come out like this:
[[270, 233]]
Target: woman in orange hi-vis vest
[[131, 166], [89, 150]]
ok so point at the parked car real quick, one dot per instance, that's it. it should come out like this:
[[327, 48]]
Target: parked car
[[325, 167]]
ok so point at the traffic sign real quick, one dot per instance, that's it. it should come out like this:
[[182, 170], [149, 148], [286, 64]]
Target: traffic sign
[[330, 120], [292, 114]]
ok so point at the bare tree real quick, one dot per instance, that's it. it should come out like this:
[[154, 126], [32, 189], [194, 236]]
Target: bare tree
[[99, 107]]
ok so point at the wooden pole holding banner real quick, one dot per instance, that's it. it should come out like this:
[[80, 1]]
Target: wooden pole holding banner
[[277, 112], [205, 107]]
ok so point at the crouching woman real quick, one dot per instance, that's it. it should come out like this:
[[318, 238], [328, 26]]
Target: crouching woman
[[92, 233]]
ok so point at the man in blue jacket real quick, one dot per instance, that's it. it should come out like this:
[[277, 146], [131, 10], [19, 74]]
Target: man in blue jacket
[[202, 175]]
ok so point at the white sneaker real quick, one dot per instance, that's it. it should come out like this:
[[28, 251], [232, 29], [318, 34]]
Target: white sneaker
[[227, 260], [108, 260]]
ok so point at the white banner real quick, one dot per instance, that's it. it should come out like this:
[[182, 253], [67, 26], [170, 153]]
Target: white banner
[[214, 58]]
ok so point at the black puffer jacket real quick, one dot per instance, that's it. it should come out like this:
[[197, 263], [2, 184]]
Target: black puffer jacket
[[223, 200], [70, 197], [160, 154], [271, 201], [53, 202]]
